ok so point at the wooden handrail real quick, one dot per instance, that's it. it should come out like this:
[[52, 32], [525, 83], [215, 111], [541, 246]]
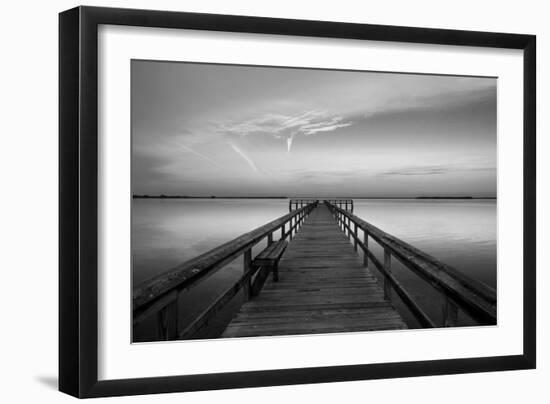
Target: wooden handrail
[[299, 203], [347, 204], [413, 306], [474, 297], [340, 202], [159, 293]]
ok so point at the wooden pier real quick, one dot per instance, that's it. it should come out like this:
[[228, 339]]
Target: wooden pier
[[315, 278], [323, 287]]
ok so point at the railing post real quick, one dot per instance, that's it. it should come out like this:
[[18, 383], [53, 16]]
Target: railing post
[[344, 222], [283, 232], [387, 267], [450, 313], [355, 236], [366, 243], [290, 229], [247, 261], [167, 321], [270, 239]]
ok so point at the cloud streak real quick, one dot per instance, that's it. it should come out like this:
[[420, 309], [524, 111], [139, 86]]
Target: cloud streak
[[328, 125], [289, 143], [243, 155], [200, 155]]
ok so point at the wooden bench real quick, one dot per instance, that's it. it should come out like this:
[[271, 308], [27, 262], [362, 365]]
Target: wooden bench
[[268, 261], [269, 258]]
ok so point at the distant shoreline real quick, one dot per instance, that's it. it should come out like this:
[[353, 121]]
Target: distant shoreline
[[204, 197], [455, 197], [288, 197]]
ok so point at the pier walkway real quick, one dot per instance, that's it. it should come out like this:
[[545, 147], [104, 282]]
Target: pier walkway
[[323, 287]]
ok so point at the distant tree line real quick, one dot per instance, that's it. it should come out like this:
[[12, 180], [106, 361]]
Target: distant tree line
[[163, 196]]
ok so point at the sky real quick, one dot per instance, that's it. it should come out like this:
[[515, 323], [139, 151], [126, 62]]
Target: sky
[[230, 130]]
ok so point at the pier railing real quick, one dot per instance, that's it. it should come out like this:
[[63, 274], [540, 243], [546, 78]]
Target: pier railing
[[458, 290], [159, 296], [299, 203], [346, 204]]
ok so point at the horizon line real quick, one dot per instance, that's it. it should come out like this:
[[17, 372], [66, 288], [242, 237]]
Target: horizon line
[[144, 196]]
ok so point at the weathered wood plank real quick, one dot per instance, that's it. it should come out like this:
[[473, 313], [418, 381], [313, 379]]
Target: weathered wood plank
[[320, 328], [379, 315], [310, 311], [281, 307]]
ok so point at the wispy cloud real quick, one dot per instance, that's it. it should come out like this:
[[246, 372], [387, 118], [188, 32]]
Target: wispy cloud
[[282, 126], [248, 160], [325, 125]]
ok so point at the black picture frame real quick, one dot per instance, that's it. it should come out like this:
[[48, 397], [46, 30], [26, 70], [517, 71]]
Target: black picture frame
[[78, 200]]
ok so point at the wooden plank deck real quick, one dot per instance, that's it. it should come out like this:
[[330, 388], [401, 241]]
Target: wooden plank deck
[[323, 287]]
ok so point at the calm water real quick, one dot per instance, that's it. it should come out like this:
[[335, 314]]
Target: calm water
[[167, 232]]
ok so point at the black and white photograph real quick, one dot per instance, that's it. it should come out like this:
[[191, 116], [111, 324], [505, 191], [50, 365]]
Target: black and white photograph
[[273, 201]]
